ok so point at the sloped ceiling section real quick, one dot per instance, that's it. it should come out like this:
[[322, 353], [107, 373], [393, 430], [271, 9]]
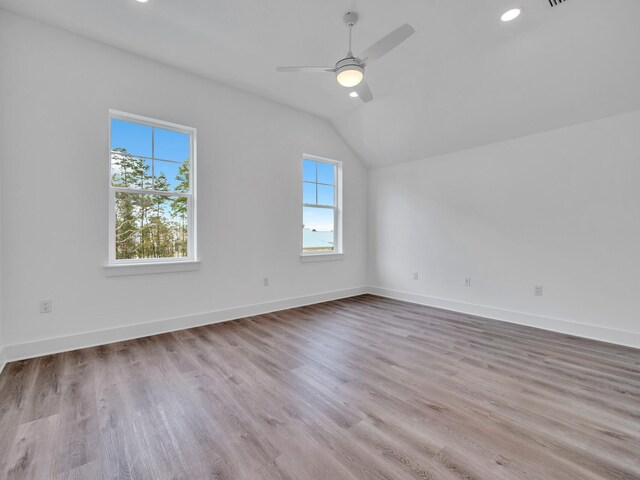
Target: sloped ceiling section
[[464, 79], [553, 67]]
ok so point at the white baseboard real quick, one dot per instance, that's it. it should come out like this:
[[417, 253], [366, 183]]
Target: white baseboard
[[3, 360], [48, 346], [594, 332]]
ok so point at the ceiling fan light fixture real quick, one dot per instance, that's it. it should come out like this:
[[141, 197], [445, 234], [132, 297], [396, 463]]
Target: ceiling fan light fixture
[[349, 72], [350, 77]]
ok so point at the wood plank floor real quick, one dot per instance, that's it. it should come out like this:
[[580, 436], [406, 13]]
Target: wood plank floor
[[361, 388]]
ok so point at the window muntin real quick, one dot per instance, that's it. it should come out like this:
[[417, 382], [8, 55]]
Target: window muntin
[[320, 212], [152, 167]]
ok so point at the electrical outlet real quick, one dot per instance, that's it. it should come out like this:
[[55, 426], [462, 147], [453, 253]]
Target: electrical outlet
[[467, 281], [265, 281], [415, 275], [537, 290], [46, 306]]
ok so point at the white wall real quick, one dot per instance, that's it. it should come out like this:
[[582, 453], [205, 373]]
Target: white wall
[[56, 92], [560, 209], [2, 358]]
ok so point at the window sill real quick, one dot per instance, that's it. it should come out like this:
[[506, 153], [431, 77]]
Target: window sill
[[121, 269], [321, 257]]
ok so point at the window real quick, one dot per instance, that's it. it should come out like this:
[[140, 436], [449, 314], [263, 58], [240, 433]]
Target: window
[[152, 190], [321, 200]]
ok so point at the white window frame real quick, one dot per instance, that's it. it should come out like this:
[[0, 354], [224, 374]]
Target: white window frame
[[191, 196], [338, 252]]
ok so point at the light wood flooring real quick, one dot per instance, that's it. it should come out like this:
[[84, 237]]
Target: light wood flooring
[[360, 388]]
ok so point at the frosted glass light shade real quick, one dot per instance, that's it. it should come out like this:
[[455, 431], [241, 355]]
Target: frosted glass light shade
[[350, 76]]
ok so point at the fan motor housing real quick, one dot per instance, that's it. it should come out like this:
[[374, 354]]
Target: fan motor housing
[[349, 63]]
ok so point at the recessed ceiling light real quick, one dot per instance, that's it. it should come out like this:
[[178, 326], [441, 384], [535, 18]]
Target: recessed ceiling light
[[510, 14], [143, 1], [353, 94]]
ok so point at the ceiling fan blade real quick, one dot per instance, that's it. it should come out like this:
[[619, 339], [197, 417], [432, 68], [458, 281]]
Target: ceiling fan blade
[[363, 91], [386, 44], [307, 69]]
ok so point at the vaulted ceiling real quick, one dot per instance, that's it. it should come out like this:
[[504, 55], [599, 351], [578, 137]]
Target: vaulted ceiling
[[464, 79]]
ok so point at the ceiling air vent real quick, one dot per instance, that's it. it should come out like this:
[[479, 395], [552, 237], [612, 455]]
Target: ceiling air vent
[[553, 3]]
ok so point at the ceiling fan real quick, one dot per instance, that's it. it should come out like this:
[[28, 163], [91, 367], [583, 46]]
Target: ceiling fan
[[349, 71]]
